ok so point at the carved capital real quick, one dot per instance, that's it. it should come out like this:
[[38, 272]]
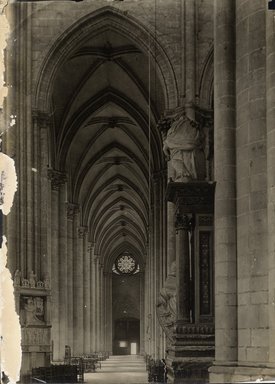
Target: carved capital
[[82, 231], [183, 222], [57, 178], [72, 210], [205, 117]]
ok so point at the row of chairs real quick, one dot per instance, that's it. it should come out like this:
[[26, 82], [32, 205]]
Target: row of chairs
[[55, 374], [89, 362], [72, 371]]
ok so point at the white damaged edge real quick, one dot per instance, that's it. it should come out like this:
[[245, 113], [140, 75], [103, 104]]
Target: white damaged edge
[[10, 332]]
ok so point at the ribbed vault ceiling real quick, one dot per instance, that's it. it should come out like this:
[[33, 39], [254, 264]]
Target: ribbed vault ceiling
[[103, 99]]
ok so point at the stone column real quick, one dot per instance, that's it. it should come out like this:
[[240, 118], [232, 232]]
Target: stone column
[[101, 307], [270, 123], [142, 323], [108, 311], [57, 180], [225, 176], [190, 56], [93, 302], [72, 210], [152, 293], [183, 268], [78, 288], [63, 269], [97, 305], [156, 260], [86, 296], [146, 305], [44, 123]]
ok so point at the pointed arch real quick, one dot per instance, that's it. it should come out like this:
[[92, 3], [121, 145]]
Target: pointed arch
[[91, 25]]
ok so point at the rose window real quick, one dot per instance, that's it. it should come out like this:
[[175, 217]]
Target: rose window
[[126, 264]]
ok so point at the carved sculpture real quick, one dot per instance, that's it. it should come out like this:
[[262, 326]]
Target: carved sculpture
[[180, 144], [17, 278], [32, 311], [166, 306], [32, 279], [47, 282]]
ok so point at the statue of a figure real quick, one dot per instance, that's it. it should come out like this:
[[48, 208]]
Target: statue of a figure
[[166, 307], [182, 139], [47, 281], [17, 278], [32, 279], [33, 311]]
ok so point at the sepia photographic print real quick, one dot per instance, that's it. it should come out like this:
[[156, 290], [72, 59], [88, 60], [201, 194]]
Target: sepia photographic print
[[137, 191]]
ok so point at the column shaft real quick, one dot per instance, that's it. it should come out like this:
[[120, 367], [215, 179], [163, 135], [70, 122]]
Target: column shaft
[[62, 256], [270, 99], [78, 289], [225, 176], [93, 303], [183, 269], [86, 296], [70, 281], [55, 275]]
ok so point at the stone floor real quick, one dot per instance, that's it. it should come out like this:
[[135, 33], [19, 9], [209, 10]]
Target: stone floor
[[120, 370]]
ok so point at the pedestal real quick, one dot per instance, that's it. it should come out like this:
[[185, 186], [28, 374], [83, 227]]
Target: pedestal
[[192, 345], [33, 305]]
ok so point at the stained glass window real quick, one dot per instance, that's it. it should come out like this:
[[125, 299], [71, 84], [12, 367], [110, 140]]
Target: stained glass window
[[126, 264]]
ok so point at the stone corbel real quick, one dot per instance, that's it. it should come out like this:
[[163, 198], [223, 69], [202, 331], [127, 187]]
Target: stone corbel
[[57, 179], [183, 222]]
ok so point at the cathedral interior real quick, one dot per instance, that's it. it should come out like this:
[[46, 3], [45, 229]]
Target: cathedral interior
[[144, 220]]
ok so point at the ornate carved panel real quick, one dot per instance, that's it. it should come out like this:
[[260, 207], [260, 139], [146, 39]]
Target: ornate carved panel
[[205, 272], [32, 310]]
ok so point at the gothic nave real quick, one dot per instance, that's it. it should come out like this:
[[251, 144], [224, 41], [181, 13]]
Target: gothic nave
[[144, 222]]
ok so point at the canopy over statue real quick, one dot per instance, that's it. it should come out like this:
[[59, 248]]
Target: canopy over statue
[[180, 144]]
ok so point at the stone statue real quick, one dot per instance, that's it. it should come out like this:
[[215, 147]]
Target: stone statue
[[167, 304], [17, 278], [32, 279], [47, 281], [149, 324], [33, 311], [183, 138]]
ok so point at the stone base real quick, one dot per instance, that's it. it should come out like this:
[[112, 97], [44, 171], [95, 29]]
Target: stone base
[[236, 374], [36, 349], [188, 371]]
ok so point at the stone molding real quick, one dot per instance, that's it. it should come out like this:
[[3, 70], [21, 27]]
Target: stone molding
[[57, 179], [31, 282], [195, 329], [194, 371]]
